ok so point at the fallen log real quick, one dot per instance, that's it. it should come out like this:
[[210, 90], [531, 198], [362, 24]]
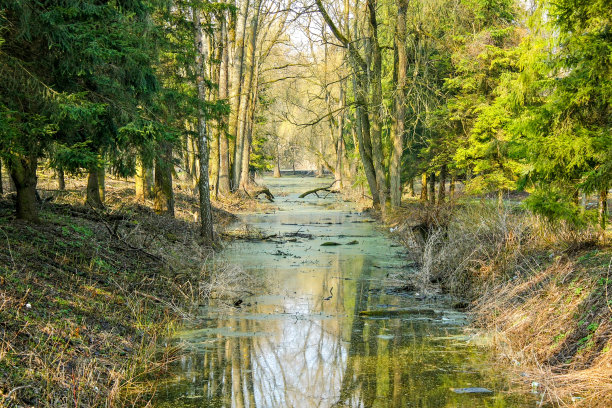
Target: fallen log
[[400, 312], [257, 193], [316, 190]]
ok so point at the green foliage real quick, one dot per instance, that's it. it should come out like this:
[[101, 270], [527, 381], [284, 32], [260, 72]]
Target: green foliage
[[524, 109], [553, 204], [567, 131], [80, 70]]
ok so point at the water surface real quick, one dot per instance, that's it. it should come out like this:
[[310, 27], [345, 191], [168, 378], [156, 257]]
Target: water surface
[[302, 341]]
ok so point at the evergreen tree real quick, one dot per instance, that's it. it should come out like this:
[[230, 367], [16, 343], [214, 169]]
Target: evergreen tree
[[567, 134]]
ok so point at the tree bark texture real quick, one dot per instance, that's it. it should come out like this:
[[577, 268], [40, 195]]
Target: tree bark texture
[[1, 186], [442, 186], [432, 188], [61, 180], [236, 93], [102, 183], [206, 222], [377, 105], [224, 163], [247, 98], [424, 187], [93, 189], [603, 208], [140, 181], [163, 191], [400, 105], [23, 175]]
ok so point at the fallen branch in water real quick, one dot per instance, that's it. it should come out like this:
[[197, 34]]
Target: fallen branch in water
[[265, 191], [316, 190], [257, 193]]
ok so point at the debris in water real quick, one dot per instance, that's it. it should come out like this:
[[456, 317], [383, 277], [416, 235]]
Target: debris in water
[[401, 312], [471, 390]]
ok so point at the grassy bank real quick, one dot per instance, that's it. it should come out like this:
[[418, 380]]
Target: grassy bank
[[544, 291], [87, 297]]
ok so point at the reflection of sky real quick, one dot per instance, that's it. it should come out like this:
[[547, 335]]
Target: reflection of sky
[[301, 364], [293, 346]]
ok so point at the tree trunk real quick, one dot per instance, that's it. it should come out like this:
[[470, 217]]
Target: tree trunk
[[216, 46], [340, 144], [320, 171], [11, 186], [206, 221], [23, 175], [248, 100], [377, 106], [424, 187], [149, 180], [442, 187], [365, 146], [1, 186], [194, 161], [245, 180], [163, 192], [277, 172], [214, 161], [360, 89], [187, 156], [395, 169], [603, 208], [224, 165], [432, 188], [61, 179], [93, 189], [142, 182], [237, 91], [102, 183], [451, 189]]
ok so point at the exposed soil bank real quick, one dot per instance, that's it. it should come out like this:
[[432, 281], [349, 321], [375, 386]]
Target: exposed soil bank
[[544, 292], [86, 297]]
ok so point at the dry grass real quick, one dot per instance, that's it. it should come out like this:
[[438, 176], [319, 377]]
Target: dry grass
[[544, 290], [86, 297], [555, 324]]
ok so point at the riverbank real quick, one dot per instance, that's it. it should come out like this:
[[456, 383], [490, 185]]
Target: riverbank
[[88, 297], [544, 292]]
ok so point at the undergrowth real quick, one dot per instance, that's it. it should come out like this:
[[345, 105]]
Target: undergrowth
[[87, 298], [543, 290]]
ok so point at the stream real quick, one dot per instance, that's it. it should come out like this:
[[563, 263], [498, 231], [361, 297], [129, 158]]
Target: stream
[[304, 341]]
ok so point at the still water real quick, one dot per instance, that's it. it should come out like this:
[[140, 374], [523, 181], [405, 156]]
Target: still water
[[302, 341]]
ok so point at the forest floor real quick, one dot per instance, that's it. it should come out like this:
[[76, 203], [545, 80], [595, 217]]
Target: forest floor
[[86, 296], [543, 292]]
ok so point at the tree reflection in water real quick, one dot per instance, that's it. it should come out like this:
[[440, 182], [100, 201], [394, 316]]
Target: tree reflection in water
[[297, 347], [318, 360]]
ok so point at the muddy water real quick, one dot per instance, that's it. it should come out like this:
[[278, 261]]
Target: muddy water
[[303, 341]]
